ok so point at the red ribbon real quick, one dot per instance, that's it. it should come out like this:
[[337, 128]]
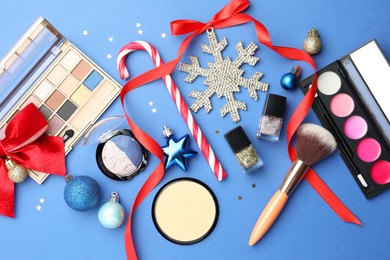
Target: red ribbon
[[26, 143], [228, 16]]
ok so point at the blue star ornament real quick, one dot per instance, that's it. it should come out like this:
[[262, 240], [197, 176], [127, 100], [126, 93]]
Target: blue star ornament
[[177, 152]]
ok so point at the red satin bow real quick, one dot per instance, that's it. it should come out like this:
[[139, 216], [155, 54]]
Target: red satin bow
[[224, 18], [228, 16], [26, 143]]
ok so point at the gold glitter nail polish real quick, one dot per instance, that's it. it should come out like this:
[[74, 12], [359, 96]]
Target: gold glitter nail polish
[[243, 149], [271, 122]]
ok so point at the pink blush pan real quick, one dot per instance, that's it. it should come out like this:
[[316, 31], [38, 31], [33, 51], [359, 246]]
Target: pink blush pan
[[342, 105], [368, 150], [355, 127], [380, 172]]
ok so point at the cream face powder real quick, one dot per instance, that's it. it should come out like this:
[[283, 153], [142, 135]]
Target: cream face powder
[[185, 211]]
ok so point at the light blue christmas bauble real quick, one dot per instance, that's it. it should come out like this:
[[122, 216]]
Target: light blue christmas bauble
[[112, 214], [81, 193]]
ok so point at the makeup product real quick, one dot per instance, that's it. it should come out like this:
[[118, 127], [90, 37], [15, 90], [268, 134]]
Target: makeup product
[[119, 155], [47, 70], [290, 80], [313, 143], [185, 211], [271, 121], [243, 150], [352, 102]]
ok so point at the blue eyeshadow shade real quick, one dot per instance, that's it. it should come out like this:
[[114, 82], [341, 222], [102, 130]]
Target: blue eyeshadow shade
[[93, 80]]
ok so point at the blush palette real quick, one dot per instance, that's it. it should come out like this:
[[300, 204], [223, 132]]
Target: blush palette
[[352, 102], [70, 91]]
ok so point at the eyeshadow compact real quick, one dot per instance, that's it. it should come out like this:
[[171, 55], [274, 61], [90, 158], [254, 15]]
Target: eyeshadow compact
[[119, 155], [185, 211], [47, 70], [352, 101]]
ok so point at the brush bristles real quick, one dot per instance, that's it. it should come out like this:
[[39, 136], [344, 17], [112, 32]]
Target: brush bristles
[[314, 143]]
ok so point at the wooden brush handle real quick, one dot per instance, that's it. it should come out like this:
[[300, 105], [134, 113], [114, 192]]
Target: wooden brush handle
[[268, 216]]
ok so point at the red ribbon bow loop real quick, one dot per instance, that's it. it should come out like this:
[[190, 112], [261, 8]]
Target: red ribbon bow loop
[[26, 143], [222, 19]]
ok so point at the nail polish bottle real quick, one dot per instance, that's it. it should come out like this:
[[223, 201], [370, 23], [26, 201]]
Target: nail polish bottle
[[243, 150], [272, 119]]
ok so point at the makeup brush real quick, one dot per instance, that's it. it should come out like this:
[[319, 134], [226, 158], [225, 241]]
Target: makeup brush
[[313, 143]]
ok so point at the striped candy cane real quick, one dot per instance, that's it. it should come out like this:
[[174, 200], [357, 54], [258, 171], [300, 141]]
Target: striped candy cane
[[201, 140]]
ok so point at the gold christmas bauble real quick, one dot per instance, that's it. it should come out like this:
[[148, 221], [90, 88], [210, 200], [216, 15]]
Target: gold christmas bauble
[[16, 172], [312, 43]]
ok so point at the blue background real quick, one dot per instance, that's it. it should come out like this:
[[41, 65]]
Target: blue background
[[307, 228]]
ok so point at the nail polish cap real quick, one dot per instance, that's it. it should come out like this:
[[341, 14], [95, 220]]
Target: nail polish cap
[[237, 139], [275, 105]]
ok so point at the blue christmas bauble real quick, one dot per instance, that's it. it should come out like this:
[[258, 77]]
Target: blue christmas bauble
[[112, 214], [290, 80], [81, 193]]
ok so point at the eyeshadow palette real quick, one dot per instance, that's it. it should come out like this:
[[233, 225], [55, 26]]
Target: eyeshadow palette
[[70, 90], [352, 102]]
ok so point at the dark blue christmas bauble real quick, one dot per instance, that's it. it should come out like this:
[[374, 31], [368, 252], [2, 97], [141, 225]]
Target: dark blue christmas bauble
[[290, 80], [81, 193]]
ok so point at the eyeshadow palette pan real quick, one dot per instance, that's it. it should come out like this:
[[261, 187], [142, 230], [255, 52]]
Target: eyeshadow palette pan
[[70, 90]]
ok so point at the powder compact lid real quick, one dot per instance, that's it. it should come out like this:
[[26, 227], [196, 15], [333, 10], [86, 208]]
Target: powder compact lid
[[275, 105], [119, 155], [237, 139], [102, 130], [185, 211]]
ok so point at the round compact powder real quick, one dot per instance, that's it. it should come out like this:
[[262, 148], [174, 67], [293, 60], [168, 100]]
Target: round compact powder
[[342, 105], [185, 211], [329, 83], [380, 172], [355, 127], [121, 157], [368, 150]]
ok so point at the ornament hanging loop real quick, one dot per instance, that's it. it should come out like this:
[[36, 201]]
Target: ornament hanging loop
[[210, 30], [114, 197]]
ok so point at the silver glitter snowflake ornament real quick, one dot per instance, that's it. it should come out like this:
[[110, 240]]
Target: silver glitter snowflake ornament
[[224, 76]]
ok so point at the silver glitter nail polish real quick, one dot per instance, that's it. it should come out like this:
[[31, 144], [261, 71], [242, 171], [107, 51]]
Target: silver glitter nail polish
[[243, 149], [271, 121]]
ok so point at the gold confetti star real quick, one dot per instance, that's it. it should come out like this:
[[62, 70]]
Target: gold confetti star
[[217, 132], [239, 197]]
